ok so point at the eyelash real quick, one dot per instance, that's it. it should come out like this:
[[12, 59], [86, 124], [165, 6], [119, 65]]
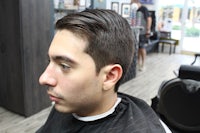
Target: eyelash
[[64, 66]]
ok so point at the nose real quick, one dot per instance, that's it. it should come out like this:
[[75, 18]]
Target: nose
[[47, 78]]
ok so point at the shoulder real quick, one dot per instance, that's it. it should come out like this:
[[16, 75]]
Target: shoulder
[[135, 111], [133, 101], [143, 9], [137, 106]]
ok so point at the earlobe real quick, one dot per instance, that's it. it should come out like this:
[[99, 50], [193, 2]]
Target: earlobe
[[113, 75]]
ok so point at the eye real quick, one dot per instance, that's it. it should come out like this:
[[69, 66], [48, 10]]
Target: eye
[[64, 66]]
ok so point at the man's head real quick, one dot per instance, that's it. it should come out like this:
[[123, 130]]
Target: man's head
[[109, 36], [90, 53], [136, 2]]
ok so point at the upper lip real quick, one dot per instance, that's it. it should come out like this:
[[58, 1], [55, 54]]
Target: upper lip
[[53, 95], [54, 98]]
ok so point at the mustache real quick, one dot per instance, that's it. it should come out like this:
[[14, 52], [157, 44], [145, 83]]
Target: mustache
[[52, 91]]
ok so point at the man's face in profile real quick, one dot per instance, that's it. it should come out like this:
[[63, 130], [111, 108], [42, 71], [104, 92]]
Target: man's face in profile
[[74, 85]]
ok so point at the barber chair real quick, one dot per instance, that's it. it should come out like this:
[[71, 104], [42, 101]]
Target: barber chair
[[178, 101], [195, 58]]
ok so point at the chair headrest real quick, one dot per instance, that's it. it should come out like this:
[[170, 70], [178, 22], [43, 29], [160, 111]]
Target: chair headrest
[[189, 72], [180, 103]]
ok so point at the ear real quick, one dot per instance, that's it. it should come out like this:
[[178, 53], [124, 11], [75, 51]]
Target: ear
[[112, 75]]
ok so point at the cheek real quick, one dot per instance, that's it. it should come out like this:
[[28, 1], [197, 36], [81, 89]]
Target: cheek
[[81, 80], [80, 88], [79, 85]]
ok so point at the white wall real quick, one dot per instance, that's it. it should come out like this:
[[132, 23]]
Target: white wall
[[153, 7]]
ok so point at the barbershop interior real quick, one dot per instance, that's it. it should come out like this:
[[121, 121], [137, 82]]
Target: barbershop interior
[[172, 52]]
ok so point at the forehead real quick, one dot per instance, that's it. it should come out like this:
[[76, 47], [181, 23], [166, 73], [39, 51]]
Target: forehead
[[69, 46], [66, 40]]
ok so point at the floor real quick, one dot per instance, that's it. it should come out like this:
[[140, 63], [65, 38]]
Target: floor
[[159, 67]]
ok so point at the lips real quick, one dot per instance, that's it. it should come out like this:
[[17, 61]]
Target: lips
[[54, 98]]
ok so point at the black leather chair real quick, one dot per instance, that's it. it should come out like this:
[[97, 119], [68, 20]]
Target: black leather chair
[[189, 72], [165, 38], [153, 43], [178, 101]]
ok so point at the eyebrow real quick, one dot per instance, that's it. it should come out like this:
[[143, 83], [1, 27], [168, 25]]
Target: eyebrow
[[64, 58]]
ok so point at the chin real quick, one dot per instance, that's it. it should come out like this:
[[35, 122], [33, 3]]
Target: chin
[[62, 109]]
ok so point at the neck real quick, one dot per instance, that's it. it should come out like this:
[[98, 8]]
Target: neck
[[139, 5], [99, 116], [106, 103]]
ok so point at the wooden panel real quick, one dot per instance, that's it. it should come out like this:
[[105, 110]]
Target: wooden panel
[[10, 67], [36, 30], [27, 29]]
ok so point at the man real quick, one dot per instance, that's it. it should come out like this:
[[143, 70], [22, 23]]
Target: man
[[89, 56], [144, 21]]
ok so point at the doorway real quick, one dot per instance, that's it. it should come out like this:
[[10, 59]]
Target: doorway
[[191, 36], [185, 26]]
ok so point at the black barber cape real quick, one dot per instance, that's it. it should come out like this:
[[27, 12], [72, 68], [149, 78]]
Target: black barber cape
[[132, 115]]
